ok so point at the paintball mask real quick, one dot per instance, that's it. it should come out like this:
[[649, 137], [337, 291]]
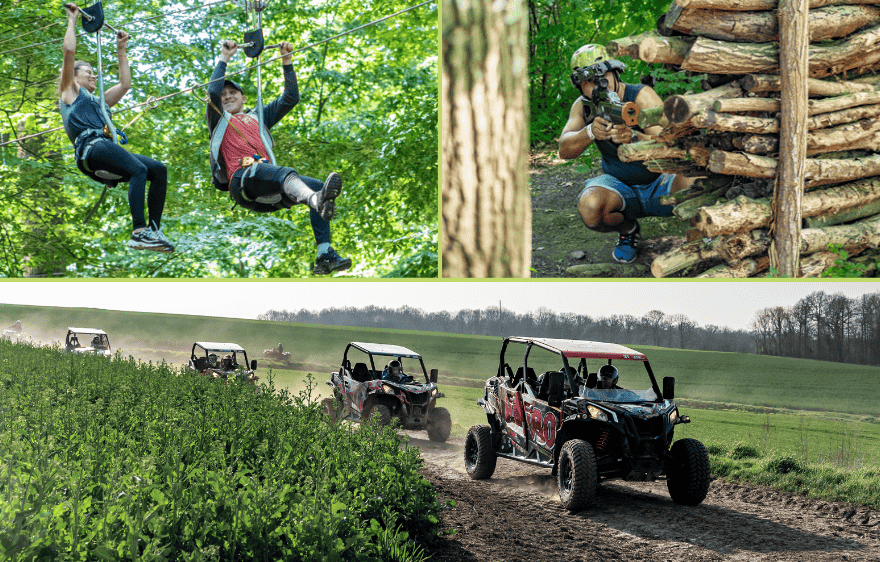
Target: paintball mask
[[590, 63]]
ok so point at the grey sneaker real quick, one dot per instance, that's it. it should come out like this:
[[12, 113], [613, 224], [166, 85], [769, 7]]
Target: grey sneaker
[[144, 240], [325, 203], [166, 246]]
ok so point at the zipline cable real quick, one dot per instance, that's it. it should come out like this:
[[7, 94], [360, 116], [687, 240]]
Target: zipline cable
[[123, 25], [243, 70]]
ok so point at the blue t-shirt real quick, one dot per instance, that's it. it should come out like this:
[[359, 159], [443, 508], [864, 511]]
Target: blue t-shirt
[[84, 113], [630, 173]]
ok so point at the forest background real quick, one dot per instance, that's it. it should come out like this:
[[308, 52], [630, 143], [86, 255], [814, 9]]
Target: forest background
[[368, 110]]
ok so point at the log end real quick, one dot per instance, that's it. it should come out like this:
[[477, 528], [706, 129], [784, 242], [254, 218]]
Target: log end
[[676, 109], [648, 50]]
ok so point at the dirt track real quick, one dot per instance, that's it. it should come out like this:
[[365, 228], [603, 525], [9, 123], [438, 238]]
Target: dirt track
[[515, 516]]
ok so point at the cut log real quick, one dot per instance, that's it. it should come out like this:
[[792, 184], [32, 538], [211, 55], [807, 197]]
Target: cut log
[[648, 150], [607, 270], [759, 144], [742, 270], [651, 117], [846, 215], [735, 123], [761, 5], [679, 109], [629, 46], [685, 256], [688, 209], [852, 237], [664, 50], [860, 49], [744, 215], [844, 116], [742, 105], [819, 171], [759, 83], [815, 265], [761, 27], [737, 164]]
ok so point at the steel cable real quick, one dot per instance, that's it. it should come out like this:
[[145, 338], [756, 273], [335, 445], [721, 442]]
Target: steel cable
[[245, 69]]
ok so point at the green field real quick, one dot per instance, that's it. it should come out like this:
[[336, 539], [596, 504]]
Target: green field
[[728, 378]]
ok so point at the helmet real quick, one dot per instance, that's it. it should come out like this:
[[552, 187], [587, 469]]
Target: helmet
[[394, 367], [227, 362], [591, 61], [607, 376], [212, 359]]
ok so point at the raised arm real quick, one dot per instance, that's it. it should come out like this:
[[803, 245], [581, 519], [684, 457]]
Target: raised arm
[[282, 105], [114, 94], [574, 138], [67, 86]]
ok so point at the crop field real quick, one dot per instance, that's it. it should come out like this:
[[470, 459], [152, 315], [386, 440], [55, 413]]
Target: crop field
[[118, 459]]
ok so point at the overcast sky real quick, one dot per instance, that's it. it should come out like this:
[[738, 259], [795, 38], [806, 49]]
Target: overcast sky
[[730, 304]]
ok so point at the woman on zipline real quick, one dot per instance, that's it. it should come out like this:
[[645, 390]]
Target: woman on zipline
[[94, 151]]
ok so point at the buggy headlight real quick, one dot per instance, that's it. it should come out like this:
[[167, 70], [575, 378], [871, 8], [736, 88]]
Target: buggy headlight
[[597, 414], [673, 416], [388, 389], [433, 393]]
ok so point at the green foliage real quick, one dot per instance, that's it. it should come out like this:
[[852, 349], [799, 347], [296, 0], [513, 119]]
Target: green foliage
[[744, 451], [368, 110], [671, 83], [120, 459], [842, 267]]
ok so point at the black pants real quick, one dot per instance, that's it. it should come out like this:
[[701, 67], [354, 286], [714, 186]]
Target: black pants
[[137, 170], [269, 180]]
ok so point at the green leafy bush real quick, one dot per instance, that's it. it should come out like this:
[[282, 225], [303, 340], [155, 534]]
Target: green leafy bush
[[118, 459], [744, 451]]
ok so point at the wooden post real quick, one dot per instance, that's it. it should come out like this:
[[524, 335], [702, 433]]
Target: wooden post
[[793, 65]]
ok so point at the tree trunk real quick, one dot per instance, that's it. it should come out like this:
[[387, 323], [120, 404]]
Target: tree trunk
[[486, 203], [785, 224], [759, 83], [743, 214]]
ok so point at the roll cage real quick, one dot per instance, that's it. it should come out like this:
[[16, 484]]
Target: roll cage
[[382, 350], [200, 359], [71, 341], [568, 349]]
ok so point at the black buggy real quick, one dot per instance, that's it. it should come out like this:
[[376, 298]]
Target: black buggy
[[359, 393], [566, 421]]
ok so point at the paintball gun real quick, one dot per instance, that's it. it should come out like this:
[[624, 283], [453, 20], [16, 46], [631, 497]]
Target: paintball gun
[[607, 105]]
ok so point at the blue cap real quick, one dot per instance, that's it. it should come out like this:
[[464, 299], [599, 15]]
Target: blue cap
[[233, 84]]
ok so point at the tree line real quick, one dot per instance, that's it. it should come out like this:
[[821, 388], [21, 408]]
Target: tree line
[[654, 328], [822, 326]]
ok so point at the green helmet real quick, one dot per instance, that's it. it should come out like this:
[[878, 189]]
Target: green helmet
[[588, 55]]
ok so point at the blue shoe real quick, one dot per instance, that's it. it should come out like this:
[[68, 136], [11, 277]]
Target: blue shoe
[[625, 251], [330, 261]]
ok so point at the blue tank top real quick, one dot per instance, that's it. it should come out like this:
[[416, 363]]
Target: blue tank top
[[630, 173], [84, 113]]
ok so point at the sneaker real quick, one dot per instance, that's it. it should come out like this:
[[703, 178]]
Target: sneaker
[[330, 261], [166, 246], [144, 240], [325, 203], [625, 251]]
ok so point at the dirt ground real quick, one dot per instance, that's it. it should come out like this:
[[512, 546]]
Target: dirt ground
[[560, 241], [515, 516]]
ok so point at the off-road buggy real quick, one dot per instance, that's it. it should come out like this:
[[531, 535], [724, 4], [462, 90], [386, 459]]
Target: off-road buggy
[[274, 353], [223, 361], [87, 340], [16, 333], [563, 421], [359, 393]]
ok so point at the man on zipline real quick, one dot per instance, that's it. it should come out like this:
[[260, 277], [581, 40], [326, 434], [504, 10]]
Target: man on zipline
[[627, 191], [240, 164], [84, 125]]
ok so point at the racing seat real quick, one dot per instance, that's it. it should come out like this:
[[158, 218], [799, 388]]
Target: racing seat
[[201, 363], [592, 380], [361, 373], [543, 387]]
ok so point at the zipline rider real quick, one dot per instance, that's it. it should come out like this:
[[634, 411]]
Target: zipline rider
[[242, 165], [85, 127]]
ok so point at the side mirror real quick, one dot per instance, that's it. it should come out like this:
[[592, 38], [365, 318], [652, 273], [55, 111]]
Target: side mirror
[[669, 388], [554, 397], [253, 364], [434, 376]]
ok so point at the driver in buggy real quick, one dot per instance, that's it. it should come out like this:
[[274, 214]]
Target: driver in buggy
[[607, 378], [96, 342], [16, 327], [227, 364], [394, 372], [279, 349]]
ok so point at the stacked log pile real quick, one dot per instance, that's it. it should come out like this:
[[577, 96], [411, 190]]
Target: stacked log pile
[[727, 136]]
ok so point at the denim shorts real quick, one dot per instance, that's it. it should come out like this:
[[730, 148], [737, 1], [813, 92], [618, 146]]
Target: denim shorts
[[638, 200]]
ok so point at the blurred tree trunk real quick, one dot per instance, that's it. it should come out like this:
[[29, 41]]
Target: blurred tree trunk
[[486, 205]]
